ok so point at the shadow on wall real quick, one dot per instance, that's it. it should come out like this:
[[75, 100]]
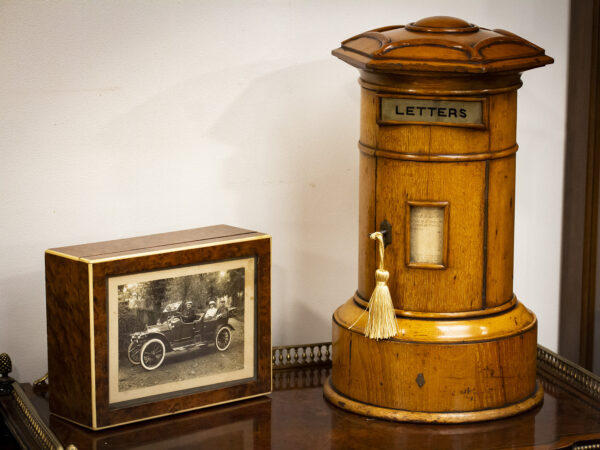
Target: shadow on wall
[[275, 153], [298, 318], [22, 299], [294, 169]]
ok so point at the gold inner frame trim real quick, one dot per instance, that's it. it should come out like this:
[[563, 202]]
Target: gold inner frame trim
[[92, 344]]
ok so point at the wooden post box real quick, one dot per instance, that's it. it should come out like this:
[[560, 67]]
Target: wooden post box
[[437, 173]]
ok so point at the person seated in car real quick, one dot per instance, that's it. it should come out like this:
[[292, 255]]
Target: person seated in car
[[189, 313], [211, 312], [222, 310]]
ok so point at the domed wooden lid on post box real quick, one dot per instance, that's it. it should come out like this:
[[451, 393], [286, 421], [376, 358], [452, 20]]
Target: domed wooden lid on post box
[[441, 44], [437, 174]]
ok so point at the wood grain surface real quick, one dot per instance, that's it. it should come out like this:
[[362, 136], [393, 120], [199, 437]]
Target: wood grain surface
[[68, 327], [153, 242], [425, 46], [579, 303], [71, 348], [466, 349], [296, 416], [479, 190], [436, 367], [108, 416], [434, 376]]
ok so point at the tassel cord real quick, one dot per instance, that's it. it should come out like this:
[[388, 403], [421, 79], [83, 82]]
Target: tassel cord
[[381, 322]]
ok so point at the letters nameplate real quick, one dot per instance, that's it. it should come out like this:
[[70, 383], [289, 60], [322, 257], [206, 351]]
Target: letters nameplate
[[413, 110]]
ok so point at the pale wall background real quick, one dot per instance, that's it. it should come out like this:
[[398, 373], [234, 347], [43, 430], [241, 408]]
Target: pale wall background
[[124, 118]]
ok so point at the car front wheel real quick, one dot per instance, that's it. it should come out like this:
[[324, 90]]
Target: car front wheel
[[152, 354], [223, 339], [133, 353]]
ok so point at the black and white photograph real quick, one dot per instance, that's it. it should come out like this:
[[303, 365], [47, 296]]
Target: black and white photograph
[[179, 329]]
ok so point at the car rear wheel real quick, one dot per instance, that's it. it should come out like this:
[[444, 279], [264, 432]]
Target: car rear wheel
[[152, 354], [133, 353], [223, 339]]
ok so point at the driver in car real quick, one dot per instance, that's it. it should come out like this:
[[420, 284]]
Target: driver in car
[[189, 313], [211, 312]]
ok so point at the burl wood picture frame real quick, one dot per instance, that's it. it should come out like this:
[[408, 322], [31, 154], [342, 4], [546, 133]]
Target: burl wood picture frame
[[156, 325]]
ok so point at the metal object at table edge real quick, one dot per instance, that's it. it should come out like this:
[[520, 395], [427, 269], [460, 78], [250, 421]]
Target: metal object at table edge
[[36, 426], [319, 355]]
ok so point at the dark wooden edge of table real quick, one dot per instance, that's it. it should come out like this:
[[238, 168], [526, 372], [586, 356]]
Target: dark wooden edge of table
[[23, 421]]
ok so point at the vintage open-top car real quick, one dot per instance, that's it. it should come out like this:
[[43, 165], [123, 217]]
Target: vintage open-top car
[[171, 334]]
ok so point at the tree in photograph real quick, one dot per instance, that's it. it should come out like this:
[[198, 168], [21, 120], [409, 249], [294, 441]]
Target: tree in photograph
[[237, 284]]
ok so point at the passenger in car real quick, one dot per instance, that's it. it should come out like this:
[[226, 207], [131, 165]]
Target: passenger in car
[[211, 312], [189, 313]]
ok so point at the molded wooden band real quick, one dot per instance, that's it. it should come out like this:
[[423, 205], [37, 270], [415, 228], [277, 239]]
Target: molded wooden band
[[436, 330], [380, 153], [413, 90], [444, 315], [365, 409]]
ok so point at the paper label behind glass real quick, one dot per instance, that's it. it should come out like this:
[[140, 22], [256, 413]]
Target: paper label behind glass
[[426, 234]]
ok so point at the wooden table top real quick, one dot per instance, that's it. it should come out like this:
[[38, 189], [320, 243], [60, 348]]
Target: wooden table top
[[296, 416]]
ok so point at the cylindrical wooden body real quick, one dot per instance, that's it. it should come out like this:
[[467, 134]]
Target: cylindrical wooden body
[[471, 169]]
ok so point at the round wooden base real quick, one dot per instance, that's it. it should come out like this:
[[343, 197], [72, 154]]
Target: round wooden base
[[436, 370], [400, 415]]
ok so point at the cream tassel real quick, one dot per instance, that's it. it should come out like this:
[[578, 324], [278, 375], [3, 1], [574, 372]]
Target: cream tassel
[[381, 323]]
